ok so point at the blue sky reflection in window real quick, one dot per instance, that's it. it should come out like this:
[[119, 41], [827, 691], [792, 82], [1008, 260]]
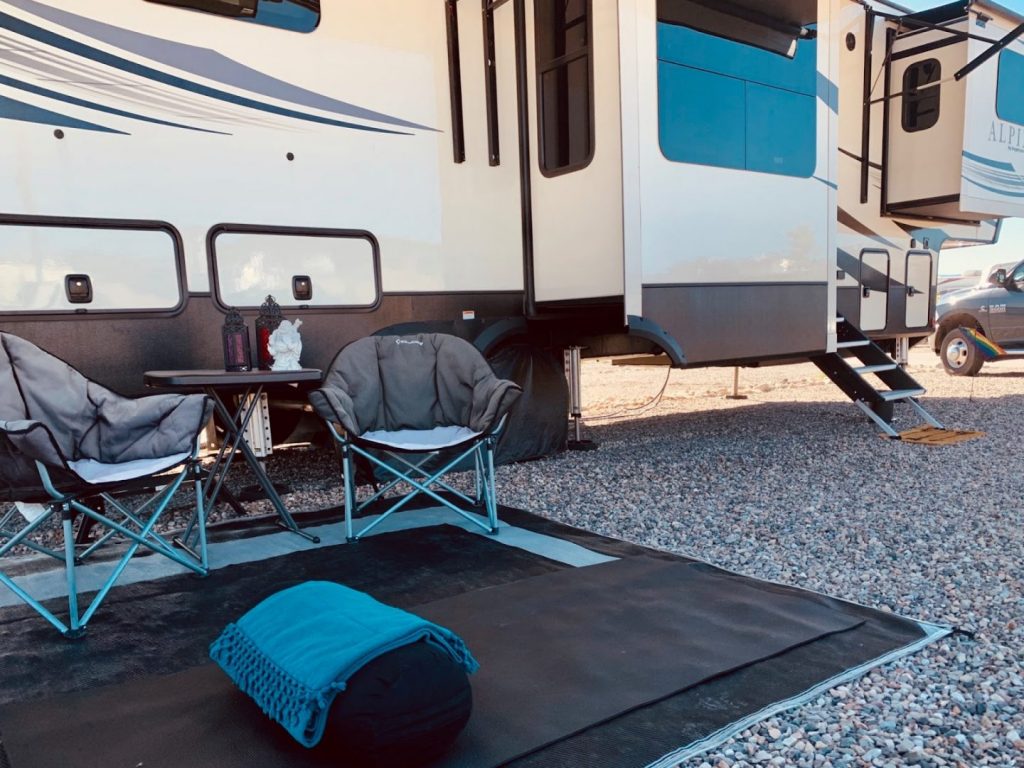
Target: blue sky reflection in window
[[1009, 104], [748, 103], [296, 15]]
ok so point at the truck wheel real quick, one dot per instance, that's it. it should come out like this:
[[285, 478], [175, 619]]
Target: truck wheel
[[960, 356]]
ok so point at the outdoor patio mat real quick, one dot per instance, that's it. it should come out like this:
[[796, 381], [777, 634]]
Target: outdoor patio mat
[[590, 661]]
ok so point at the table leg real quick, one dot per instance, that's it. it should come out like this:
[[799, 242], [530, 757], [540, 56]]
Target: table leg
[[239, 445]]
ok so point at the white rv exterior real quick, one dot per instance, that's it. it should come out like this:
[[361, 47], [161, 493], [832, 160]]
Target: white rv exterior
[[906, 185], [544, 169]]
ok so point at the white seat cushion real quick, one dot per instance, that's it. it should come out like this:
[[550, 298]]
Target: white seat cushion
[[421, 439], [95, 472]]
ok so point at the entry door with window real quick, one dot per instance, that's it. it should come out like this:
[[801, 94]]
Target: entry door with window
[[919, 282], [874, 289], [575, 155]]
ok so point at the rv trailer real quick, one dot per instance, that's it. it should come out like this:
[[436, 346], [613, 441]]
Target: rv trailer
[[923, 100], [715, 181]]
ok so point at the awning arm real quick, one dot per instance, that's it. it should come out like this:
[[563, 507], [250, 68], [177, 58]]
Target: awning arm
[[995, 48]]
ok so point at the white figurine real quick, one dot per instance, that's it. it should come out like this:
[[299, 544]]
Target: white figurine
[[285, 345]]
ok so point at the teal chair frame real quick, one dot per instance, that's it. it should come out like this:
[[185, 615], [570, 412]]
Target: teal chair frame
[[136, 525], [421, 481]]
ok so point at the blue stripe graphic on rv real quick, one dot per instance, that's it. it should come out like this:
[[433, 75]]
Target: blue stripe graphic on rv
[[93, 105], [206, 63], [986, 161], [996, 190], [12, 109], [20, 27], [993, 175]]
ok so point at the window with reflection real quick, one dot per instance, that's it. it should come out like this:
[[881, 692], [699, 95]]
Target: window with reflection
[[311, 268], [737, 85], [1010, 87], [564, 84], [294, 15], [920, 96]]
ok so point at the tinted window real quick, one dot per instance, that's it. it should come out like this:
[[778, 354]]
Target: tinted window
[[920, 104], [564, 77], [1018, 275], [1010, 88], [296, 15], [733, 105]]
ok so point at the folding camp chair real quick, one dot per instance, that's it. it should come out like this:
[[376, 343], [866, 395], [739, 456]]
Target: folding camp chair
[[412, 399], [65, 442]]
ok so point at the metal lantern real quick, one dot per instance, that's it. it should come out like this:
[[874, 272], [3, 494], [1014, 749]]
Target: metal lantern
[[236, 343], [267, 322]]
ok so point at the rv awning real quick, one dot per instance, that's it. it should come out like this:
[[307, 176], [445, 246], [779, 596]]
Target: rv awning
[[944, 14], [773, 26]]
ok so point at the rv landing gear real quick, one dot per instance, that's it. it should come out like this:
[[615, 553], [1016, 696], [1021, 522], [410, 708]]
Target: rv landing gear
[[572, 368]]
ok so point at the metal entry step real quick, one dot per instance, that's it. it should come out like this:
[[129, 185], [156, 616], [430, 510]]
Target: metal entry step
[[876, 402]]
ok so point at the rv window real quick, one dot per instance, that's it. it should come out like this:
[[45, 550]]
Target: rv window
[[1010, 88], [735, 105], [127, 268], [564, 84], [249, 262], [294, 15], [921, 104]]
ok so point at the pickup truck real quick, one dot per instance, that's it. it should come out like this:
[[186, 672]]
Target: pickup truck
[[994, 308]]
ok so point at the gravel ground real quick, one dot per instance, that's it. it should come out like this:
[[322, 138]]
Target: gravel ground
[[794, 485]]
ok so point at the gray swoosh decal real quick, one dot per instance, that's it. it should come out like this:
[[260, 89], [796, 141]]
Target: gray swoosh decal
[[46, 67], [48, 37], [57, 96], [205, 63]]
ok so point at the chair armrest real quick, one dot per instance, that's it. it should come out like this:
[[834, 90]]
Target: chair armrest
[[492, 399], [335, 405], [148, 427], [33, 441]]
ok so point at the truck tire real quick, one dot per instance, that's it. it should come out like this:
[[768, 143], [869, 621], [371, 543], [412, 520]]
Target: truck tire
[[960, 355]]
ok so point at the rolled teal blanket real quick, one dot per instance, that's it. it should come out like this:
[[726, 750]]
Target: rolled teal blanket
[[296, 650]]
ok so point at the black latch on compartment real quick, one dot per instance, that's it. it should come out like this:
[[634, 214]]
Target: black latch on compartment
[[302, 288], [78, 289]]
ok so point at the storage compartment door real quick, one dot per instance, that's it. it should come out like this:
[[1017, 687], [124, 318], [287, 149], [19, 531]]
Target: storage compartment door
[[84, 266], [300, 268], [919, 281], [874, 290]]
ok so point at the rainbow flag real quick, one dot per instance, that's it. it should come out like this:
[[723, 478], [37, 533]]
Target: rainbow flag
[[989, 349]]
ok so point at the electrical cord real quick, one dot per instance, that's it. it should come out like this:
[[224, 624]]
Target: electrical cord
[[626, 413]]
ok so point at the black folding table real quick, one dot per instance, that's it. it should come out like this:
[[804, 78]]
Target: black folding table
[[249, 386]]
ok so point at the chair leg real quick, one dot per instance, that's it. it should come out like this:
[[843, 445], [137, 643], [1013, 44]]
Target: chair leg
[[479, 477], [75, 629], [350, 491], [197, 473], [490, 493]]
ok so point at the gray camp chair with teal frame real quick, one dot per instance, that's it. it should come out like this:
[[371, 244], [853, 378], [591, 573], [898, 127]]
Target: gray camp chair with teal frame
[[416, 407], [66, 442]]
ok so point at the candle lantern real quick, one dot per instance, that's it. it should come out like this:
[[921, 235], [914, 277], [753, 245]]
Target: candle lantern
[[267, 322], [236, 343]]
